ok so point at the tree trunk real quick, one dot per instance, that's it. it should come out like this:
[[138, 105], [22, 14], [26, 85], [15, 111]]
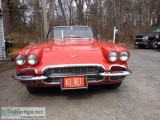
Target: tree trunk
[[62, 10]]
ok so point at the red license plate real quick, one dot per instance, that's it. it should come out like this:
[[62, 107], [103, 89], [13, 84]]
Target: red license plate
[[74, 82]]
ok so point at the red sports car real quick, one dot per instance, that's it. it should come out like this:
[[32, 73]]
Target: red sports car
[[71, 58]]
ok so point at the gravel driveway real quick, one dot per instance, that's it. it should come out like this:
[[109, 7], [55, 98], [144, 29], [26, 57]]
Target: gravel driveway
[[138, 98]]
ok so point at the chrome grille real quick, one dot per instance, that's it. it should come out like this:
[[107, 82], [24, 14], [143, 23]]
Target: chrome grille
[[76, 70], [138, 39]]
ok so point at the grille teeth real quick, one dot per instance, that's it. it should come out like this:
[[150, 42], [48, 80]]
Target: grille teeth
[[74, 70]]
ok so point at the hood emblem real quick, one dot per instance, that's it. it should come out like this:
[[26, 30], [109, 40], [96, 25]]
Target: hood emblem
[[73, 56]]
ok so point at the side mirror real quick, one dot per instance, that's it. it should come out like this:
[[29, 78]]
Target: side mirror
[[98, 37]]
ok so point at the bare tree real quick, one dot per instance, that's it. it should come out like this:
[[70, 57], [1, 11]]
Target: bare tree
[[62, 10], [130, 16], [80, 14]]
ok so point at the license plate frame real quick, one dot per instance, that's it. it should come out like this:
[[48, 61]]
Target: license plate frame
[[76, 87]]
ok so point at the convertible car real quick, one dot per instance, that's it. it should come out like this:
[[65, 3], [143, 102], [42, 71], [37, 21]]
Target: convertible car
[[72, 58]]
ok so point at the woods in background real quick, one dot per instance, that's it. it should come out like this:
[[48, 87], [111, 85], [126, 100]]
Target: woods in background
[[24, 17]]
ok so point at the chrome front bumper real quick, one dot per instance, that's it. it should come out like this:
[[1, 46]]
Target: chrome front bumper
[[29, 78], [105, 74]]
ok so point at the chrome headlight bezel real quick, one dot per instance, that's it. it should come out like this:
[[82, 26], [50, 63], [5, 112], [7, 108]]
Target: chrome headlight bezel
[[32, 59], [113, 56], [20, 60], [124, 56]]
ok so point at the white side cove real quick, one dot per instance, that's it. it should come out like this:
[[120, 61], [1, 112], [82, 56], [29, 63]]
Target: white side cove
[[2, 41]]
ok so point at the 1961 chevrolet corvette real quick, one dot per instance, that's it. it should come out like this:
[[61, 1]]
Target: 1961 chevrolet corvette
[[72, 58]]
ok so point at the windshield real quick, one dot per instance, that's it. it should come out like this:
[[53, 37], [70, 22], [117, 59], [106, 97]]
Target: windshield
[[71, 32], [156, 30]]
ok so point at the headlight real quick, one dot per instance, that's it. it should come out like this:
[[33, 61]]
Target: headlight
[[158, 36], [124, 56], [20, 60], [145, 38], [32, 59], [112, 56]]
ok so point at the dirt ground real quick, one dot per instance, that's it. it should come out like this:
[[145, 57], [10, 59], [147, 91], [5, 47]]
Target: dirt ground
[[138, 98]]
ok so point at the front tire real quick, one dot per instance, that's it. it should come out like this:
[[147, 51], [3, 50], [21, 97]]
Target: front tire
[[114, 86], [153, 44], [33, 90]]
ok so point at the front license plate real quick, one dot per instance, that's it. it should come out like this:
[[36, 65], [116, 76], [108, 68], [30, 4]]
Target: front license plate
[[74, 82]]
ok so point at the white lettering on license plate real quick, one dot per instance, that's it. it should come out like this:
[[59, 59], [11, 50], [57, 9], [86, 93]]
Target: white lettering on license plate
[[74, 82], [77, 81]]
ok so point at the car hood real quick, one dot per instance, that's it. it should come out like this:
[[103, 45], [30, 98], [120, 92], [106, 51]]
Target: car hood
[[88, 51], [150, 35]]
